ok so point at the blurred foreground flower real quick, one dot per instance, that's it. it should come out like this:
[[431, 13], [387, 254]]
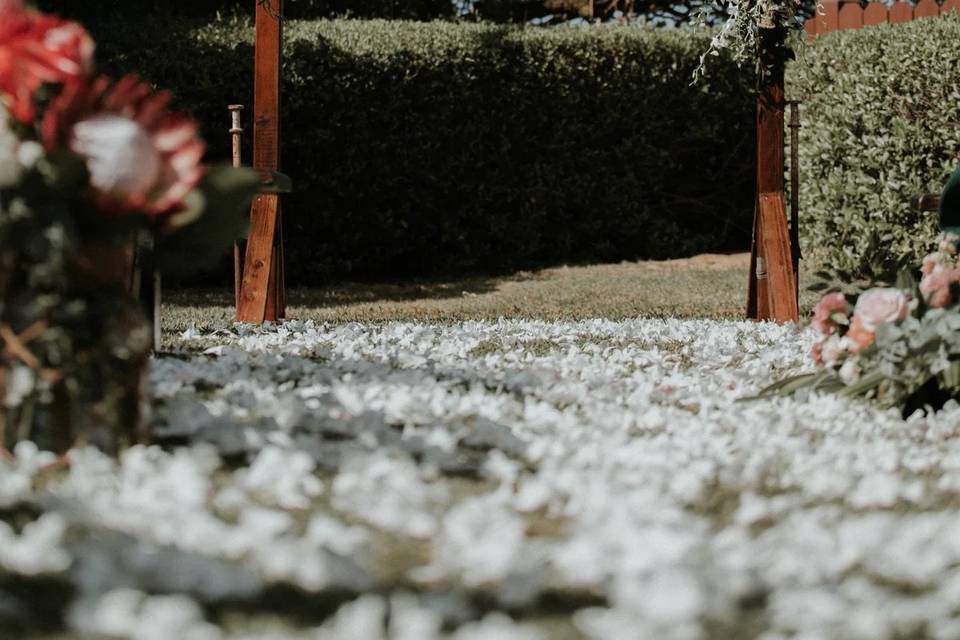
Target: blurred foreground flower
[[74, 340], [141, 157], [36, 48]]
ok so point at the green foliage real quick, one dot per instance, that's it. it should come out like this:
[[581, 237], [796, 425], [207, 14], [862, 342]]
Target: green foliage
[[90, 12], [428, 148], [218, 208], [881, 126]]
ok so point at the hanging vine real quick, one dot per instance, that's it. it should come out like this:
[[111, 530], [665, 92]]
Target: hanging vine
[[268, 7]]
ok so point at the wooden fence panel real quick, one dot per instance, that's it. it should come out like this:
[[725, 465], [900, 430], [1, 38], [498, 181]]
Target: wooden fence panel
[[876, 13], [901, 12], [850, 16], [837, 15], [926, 9], [829, 20]]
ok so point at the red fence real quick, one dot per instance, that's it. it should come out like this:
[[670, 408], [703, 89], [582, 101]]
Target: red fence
[[849, 14]]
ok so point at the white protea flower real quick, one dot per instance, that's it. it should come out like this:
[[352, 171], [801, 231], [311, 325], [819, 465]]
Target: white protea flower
[[141, 157]]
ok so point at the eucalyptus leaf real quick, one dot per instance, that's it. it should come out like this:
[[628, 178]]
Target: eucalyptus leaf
[[869, 382], [951, 376], [785, 387]]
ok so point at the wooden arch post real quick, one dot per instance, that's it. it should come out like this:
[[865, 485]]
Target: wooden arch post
[[772, 290], [262, 296]]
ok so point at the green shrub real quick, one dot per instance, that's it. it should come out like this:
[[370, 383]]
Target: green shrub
[[881, 126], [433, 148], [293, 9]]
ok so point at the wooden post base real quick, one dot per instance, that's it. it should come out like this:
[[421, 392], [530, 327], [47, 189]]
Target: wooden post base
[[772, 290], [260, 299]]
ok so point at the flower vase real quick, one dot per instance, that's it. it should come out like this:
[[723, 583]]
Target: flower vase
[[79, 381]]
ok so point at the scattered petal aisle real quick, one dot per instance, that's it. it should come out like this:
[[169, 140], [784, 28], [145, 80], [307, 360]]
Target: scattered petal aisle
[[497, 480]]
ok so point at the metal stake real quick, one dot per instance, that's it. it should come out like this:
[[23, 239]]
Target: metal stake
[[239, 248], [236, 131], [795, 190]]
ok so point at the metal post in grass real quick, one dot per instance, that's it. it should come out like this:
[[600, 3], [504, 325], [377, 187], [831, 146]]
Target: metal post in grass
[[795, 192], [240, 246], [771, 292], [262, 297]]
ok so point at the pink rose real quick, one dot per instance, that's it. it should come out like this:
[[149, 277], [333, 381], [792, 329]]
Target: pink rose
[[859, 337], [930, 263], [880, 306], [824, 314], [935, 286]]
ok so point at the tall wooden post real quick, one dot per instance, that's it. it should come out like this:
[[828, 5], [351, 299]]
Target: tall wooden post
[[771, 294], [261, 293]]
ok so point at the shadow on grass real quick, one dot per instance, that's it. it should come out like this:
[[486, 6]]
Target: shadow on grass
[[709, 286], [348, 293]]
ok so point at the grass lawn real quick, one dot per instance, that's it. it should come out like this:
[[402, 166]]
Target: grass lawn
[[706, 286]]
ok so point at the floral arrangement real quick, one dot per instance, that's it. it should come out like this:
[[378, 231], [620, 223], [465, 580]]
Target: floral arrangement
[[87, 166], [739, 34], [899, 345]]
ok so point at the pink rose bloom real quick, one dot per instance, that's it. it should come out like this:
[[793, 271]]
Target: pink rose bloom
[[859, 337], [935, 286], [830, 304], [880, 306]]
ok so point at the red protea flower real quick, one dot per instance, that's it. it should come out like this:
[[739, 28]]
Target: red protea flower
[[37, 48], [141, 157]]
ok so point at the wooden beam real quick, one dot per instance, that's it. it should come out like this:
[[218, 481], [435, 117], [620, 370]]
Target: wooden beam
[[256, 303], [260, 294], [771, 282], [781, 292]]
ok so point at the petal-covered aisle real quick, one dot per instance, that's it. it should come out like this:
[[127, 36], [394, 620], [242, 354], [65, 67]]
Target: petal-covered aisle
[[493, 480]]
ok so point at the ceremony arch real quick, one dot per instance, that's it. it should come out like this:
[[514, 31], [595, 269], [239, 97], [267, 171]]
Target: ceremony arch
[[772, 284]]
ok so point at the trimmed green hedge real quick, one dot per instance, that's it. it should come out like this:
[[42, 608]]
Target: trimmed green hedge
[[434, 148], [881, 118], [95, 10]]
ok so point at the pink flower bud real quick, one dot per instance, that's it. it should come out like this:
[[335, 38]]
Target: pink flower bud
[[935, 286], [825, 311], [859, 337]]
